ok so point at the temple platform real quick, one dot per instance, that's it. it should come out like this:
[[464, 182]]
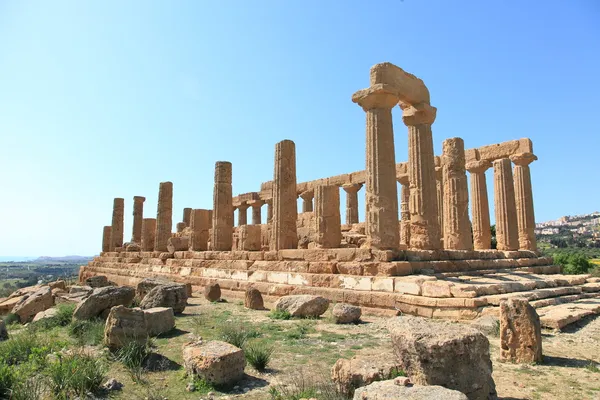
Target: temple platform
[[436, 284]]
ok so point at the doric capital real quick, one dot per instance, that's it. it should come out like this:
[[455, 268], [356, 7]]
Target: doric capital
[[403, 179], [243, 205], [352, 187], [139, 198], [417, 114], [256, 203], [377, 96], [478, 166], [308, 194], [523, 159]]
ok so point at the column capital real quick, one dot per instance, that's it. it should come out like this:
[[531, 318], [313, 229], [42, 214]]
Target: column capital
[[139, 198], [377, 96], [256, 203], [403, 179], [478, 166], [523, 159], [243, 206], [307, 194], [352, 187], [418, 114]]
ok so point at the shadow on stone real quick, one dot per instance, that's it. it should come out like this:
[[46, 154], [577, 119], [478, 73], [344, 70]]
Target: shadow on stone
[[155, 362], [575, 326]]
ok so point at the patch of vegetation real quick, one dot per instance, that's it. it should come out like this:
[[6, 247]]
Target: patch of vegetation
[[11, 318], [237, 334], [496, 328], [75, 375], [331, 337], [63, 317], [87, 332], [300, 330], [279, 314], [24, 347], [396, 372], [573, 262], [592, 367], [258, 354], [303, 386], [133, 356], [201, 386]]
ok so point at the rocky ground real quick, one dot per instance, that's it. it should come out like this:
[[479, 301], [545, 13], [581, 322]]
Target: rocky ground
[[305, 351]]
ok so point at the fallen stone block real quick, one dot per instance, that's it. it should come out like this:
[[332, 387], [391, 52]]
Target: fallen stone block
[[219, 363], [32, 304], [49, 313], [303, 305], [125, 325], [253, 299], [60, 284], [362, 370], [520, 331], [97, 281], [159, 320], [171, 296], [346, 313], [103, 299], [389, 390], [212, 292]]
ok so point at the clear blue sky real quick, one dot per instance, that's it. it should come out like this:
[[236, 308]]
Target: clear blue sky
[[107, 99]]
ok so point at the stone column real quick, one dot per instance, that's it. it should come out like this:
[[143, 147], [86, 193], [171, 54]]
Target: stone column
[[187, 216], [404, 209], [439, 184], [148, 234], [381, 192], [524, 200], [180, 227], [507, 233], [200, 225], [457, 227], [480, 209], [328, 229], [138, 215], [285, 209], [256, 211], [106, 238], [222, 220], [243, 214], [351, 190], [164, 216], [307, 200], [424, 225], [116, 232], [269, 211]]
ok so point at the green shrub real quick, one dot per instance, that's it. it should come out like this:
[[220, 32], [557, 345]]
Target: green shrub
[[133, 356], [237, 334], [11, 318], [300, 330], [279, 314], [87, 332], [24, 347], [63, 317], [8, 381], [201, 386], [396, 372], [573, 262], [76, 375], [258, 355]]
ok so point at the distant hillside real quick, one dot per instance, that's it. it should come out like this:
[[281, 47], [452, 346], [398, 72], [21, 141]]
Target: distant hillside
[[64, 259]]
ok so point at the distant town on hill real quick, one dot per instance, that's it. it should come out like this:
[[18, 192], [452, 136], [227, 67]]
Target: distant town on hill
[[571, 231]]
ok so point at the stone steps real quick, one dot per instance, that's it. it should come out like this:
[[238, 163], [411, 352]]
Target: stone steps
[[561, 315]]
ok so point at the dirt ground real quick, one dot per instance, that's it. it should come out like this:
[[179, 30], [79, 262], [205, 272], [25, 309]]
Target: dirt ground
[[309, 348]]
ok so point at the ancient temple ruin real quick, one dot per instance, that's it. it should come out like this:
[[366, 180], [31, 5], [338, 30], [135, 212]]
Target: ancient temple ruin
[[424, 256]]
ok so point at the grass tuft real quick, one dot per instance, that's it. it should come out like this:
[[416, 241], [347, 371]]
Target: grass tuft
[[87, 332], [75, 375], [237, 334], [133, 356], [279, 314], [63, 317], [258, 354]]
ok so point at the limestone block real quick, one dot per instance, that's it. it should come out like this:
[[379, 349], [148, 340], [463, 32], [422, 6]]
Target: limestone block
[[28, 306], [303, 305], [249, 237], [60, 284], [346, 313], [173, 295], [219, 363], [159, 320], [103, 299], [97, 281], [362, 370], [327, 221], [177, 244], [390, 389], [212, 292], [253, 299], [124, 325], [520, 331], [436, 289]]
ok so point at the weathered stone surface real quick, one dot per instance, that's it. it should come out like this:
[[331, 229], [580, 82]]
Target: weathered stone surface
[[303, 305], [480, 208], [219, 363], [362, 370], [102, 299], [200, 222], [58, 285], [148, 234], [124, 325], [285, 209], [132, 247], [327, 221], [221, 238], [30, 305], [389, 390], [159, 320], [520, 331], [76, 289], [116, 232], [248, 238], [3, 331], [507, 234], [441, 353], [346, 313], [488, 324], [212, 292], [138, 216], [147, 284], [97, 281], [106, 232], [524, 200], [351, 190], [177, 244], [49, 313], [172, 295], [253, 299], [164, 216]]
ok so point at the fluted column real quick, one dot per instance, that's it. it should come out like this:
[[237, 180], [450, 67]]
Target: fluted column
[[243, 214], [187, 216], [148, 234], [222, 216], [404, 209], [524, 200], [106, 238], [351, 190], [381, 192], [256, 211], [507, 234], [439, 184], [118, 216], [200, 226], [285, 208], [457, 227], [164, 216], [480, 209], [138, 215], [424, 224], [269, 211], [307, 200], [328, 232]]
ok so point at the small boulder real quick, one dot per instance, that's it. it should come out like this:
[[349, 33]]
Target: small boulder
[[212, 292], [303, 305], [171, 295], [219, 363], [49, 313], [147, 284], [97, 281], [32, 304], [445, 354], [58, 285], [102, 299], [178, 244], [8, 304], [390, 390], [159, 320], [124, 325], [3, 331], [112, 384], [85, 290], [362, 370], [133, 247], [253, 299], [520, 331], [346, 313]]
